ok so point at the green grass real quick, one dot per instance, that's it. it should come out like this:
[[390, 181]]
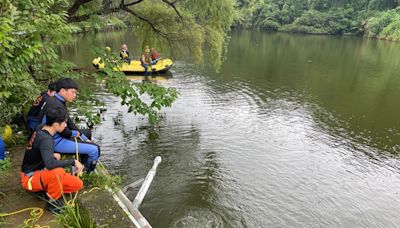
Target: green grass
[[74, 217], [5, 165], [92, 180]]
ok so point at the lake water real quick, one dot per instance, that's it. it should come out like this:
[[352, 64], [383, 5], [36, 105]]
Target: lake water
[[295, 131]]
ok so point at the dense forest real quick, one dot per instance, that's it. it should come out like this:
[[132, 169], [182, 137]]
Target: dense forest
[[372, 18]]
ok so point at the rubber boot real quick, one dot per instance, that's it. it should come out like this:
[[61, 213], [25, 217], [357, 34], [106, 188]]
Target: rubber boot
[[42, 195], [55, 206], [91, 167]]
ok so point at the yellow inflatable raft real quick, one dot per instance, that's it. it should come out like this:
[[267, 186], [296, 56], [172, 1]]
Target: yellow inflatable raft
[[162, 65]]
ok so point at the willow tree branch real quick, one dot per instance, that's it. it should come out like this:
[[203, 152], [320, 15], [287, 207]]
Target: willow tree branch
[[131, 4], [78, 3], [152, 25], [87, 16], [122, 6], [172, 4], [75, 6]]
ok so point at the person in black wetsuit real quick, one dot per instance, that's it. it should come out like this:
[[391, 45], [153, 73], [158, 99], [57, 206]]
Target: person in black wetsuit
[[42, 169], [64, 142], [33, 115]]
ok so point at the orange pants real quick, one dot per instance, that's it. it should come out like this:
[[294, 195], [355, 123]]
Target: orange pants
[[55, 182]]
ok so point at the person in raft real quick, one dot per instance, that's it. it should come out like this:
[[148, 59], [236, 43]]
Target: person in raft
[[124, 54], [154, 56], [42, 169], [64, 142], [33, 115], [145, 61]]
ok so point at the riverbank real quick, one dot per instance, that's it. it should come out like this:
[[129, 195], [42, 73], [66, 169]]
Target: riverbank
[[14, 198], [97, 203], [361, 19]]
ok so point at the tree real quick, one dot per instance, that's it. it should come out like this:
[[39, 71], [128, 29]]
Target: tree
[[323, 16], [31, 30], [199, 25], [29, 34]]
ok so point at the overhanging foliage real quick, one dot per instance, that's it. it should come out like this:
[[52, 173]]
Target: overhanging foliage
[[31, 31]]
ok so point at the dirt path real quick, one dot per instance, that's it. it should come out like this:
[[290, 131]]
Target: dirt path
[[13, 197], [100, 205]]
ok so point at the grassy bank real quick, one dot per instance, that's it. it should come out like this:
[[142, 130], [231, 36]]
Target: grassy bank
[[93, 206], [14, 198]]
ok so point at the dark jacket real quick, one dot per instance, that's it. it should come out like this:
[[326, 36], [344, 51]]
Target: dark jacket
[[40, 153], [34, 111]]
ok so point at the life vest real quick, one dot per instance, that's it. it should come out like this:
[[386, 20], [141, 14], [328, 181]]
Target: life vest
[[124, 54], [154, 55], [147, 58]]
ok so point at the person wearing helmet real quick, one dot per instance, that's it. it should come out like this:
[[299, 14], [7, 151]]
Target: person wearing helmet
[[145, 59]]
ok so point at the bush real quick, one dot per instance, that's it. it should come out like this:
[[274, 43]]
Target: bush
[[92, 180], [392, 30], [375, 25], [270, 25], [385, 25], [303, 29], [311, 18], [335, 21], [29, 35], [5, 164]]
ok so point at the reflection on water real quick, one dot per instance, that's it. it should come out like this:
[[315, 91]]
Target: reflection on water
[[296, 131], [153, 78]]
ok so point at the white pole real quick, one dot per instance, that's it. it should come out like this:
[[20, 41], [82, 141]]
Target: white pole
[[146, 184]]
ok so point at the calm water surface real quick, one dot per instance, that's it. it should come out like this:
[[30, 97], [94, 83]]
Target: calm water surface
[[295, 131]]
